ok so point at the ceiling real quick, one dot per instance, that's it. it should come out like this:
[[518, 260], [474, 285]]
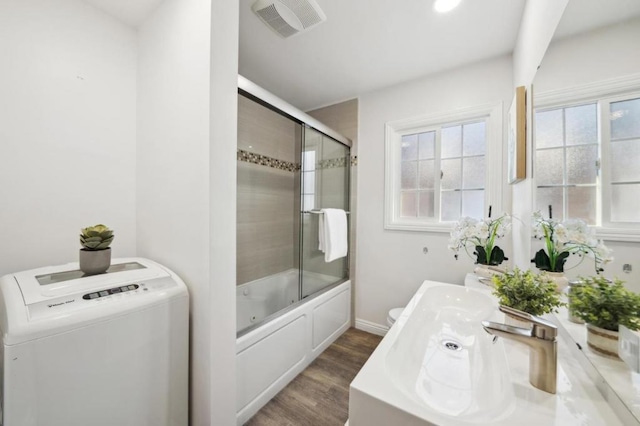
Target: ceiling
[[367, 45], [131, 12], [587, 15]]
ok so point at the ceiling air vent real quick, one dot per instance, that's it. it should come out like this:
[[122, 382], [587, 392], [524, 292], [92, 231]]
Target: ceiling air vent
[[289, 17]]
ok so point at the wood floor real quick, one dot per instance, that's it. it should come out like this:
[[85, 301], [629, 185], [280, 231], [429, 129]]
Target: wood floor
[[319, 396]]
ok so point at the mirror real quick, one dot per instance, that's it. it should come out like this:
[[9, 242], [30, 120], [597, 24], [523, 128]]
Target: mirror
[[594, 55]]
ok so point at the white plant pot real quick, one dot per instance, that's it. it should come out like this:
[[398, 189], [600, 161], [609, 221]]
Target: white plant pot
[[94, 262], [487, 271], [562, 282], [604, 342]]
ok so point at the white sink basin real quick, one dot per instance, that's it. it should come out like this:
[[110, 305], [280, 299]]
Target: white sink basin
[[437, 366], [444, 359]]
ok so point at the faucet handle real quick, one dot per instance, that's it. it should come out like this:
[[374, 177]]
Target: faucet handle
[[542, 328]]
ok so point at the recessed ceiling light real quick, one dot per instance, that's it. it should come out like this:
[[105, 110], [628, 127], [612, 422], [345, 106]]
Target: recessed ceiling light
[[443, 6]]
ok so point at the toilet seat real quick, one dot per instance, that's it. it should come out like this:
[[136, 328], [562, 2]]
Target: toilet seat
[[393, 315]]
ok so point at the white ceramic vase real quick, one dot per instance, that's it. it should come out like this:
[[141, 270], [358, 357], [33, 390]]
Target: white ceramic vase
[[562, 282], [487, 271], [602, 341]]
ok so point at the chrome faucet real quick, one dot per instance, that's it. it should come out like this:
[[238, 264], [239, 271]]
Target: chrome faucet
[[541, 339]]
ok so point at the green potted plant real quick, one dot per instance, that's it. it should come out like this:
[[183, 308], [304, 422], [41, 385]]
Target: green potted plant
[[526, 291], [482, 235], [95, 254], [604, 305]]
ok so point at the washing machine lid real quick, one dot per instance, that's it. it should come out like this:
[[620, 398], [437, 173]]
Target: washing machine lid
[[42, 284]]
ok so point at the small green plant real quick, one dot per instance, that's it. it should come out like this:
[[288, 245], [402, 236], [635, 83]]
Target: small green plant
[[526, 291], [605, 304], [97, 237]]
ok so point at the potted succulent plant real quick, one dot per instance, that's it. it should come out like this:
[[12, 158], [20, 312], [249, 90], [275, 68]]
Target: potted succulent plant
[[95, 254], [604, 305], [526, 291]]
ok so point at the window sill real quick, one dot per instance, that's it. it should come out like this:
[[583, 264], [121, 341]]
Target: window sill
[[444, 228], [618, 234]]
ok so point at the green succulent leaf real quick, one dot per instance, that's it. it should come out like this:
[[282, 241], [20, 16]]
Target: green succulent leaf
[[497, 256], [97, 237]]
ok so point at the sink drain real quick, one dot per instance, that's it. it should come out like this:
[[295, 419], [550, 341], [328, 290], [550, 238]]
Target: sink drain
[[452, 345]]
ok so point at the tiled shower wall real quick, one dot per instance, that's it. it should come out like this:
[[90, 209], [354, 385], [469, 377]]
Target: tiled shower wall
[[343, 118], [268, 178]]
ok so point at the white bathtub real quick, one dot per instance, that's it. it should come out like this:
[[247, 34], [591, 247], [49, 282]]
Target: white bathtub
[[274, 348]]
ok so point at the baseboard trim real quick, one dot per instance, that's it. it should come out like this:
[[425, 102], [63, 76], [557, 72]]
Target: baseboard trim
[[371, 327]]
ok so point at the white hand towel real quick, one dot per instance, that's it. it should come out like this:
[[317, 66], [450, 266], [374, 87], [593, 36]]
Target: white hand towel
[[332, 234]]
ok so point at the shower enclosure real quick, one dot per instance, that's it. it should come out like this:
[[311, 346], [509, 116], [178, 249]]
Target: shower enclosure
[[289, 168]]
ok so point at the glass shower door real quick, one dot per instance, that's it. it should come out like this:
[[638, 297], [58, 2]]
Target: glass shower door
[[325, 184]]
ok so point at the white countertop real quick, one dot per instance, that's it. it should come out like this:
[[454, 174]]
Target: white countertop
[[577, 401], [616, 382]]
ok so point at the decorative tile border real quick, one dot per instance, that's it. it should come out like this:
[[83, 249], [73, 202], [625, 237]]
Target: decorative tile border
[[332, 163], [263, 160]]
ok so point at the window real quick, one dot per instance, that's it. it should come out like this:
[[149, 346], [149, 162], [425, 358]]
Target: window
[[436, 168], [587, 153], [567, 161], [308, 170]]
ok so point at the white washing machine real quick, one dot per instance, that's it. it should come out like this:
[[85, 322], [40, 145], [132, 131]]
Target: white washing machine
[[101, 350]]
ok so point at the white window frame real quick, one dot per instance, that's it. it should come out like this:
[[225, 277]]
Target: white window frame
[[493, 113], [611, 90]]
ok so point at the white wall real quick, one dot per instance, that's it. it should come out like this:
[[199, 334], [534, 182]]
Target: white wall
[[187, 123], [596, 56], [539, 21], [67, 131], [223, 125], [391, 264]]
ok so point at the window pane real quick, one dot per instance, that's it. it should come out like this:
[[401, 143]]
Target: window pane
[[427, 174], [581, 124], [549, 166], [582, 203], [550, 196], [625, 119], [408, 204], [548, 129], [409, 147], [426, 145], [625, 158], [451, 174], [473, 172], [581, 164], [450, 205], [308, 161], [308, 202], [451, 141], [625, 203], [308, 182], [474, 139], [473, 204], [426, 204], [409, 175]]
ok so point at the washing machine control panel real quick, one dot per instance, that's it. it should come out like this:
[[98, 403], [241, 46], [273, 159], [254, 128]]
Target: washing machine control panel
[[99, 297], [110, 291]]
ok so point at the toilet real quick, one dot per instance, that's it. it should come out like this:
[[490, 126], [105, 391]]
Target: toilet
[[393, 315]]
